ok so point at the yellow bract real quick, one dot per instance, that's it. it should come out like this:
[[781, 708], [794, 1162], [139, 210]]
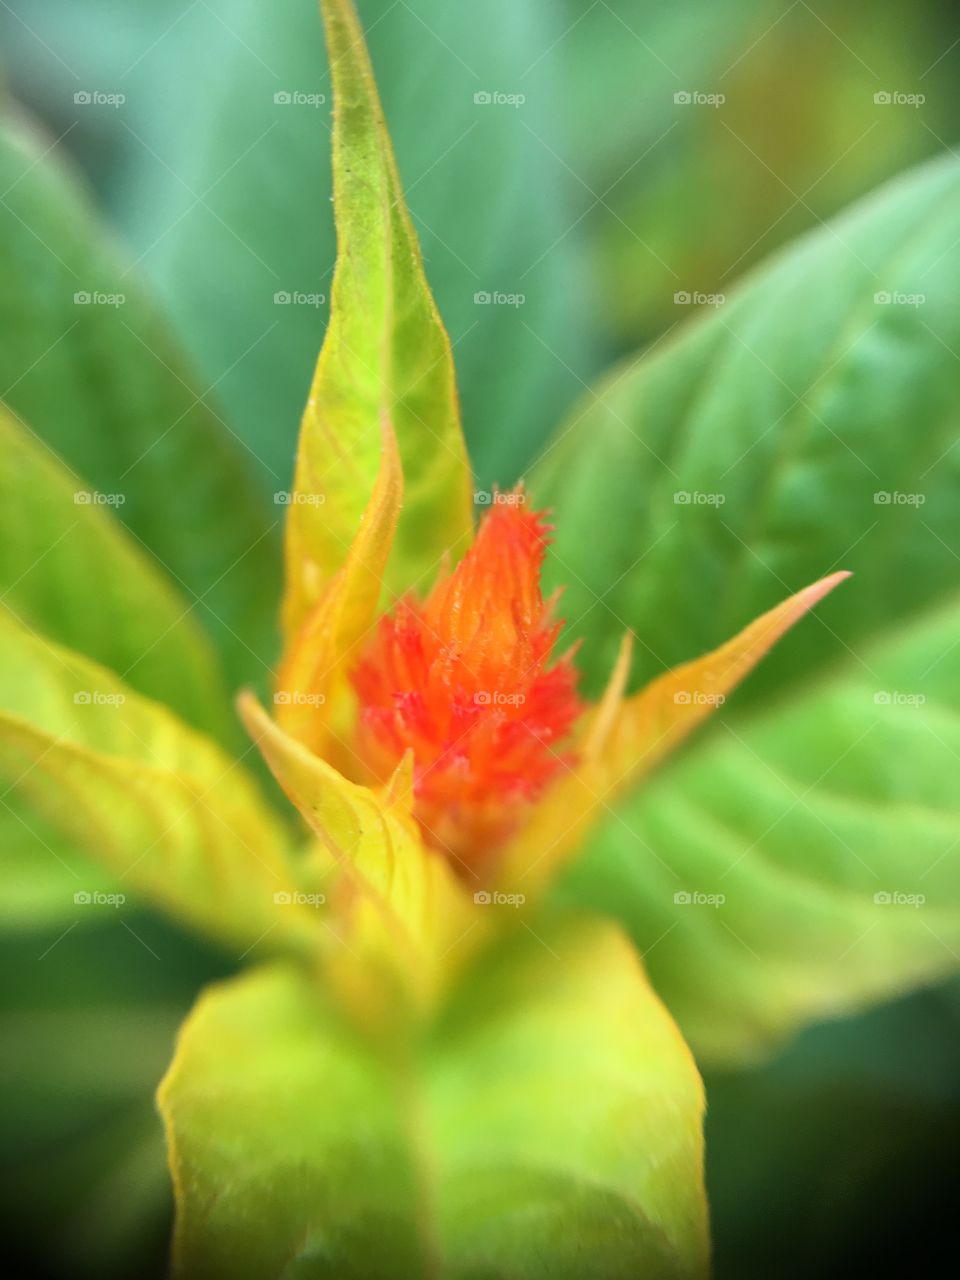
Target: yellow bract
[[400, 908], [626, 737], [319, 649]]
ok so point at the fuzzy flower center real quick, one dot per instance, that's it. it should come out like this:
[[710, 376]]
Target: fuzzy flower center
[[465, 680]]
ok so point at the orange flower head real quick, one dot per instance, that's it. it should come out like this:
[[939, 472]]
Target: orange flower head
[[464, 679]]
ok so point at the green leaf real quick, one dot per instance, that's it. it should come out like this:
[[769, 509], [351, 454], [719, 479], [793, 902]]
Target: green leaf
[[68, 569], [797, 403], [104, 384], [804, 861], [41, 870], [386, 358], [549, 1126], [154, 802], [780, 415]]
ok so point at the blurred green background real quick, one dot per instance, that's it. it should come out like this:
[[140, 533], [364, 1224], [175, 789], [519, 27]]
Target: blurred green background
[[598, 198]]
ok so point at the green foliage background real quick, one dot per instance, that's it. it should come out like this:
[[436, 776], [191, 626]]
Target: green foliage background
[[598, 200]]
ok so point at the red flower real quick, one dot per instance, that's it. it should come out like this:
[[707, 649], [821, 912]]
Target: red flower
[[464, 680]]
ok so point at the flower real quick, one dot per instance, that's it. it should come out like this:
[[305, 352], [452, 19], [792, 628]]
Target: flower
[[437, 746], [464, 680]]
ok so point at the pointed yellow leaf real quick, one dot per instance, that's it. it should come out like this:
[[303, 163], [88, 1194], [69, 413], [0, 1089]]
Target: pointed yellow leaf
[[344, 613], [159, 805], [622, 745], [401, 907], [386, 356]]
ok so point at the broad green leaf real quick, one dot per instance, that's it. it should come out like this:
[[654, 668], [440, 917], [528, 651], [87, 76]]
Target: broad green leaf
[[41, 870], [157, 804], [275, 1102], [743, 459], [548, 1125], [821, 405], [386, 357], [68, 569], [89, 363], [401, 909], [803, 860]]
